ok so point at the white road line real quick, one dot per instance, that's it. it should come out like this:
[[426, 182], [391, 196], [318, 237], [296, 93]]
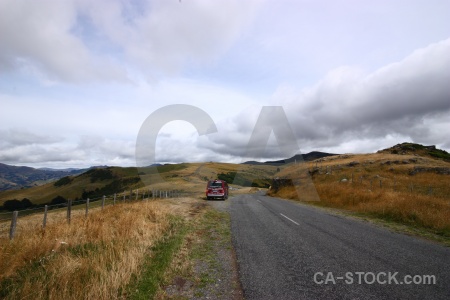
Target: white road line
[[290, 219], [258, 200]]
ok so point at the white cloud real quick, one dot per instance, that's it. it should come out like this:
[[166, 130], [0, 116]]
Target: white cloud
[[227, 57], [36, 38], [88, 151], [406, 100], [18, 137], [82, 41]]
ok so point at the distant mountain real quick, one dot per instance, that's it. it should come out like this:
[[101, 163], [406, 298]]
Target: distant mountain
[[14, 177], [64, 170], [296, 158]]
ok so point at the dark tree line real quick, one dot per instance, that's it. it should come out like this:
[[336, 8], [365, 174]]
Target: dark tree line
[[26, 203]]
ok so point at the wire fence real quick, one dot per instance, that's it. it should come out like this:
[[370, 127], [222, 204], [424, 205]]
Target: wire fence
[[10, 224]]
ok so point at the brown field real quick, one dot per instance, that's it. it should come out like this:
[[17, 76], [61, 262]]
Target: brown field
[[92, 258], [378, 185]]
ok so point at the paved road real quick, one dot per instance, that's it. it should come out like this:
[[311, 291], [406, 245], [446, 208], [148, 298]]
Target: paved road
[[281, 245]]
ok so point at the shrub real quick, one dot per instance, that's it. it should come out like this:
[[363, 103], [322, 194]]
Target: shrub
[[63, 181], [15, 204], [58, 200]]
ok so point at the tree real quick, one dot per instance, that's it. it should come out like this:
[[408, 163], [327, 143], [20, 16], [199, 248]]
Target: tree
[[12, 205], [58, 200], [26, 203]]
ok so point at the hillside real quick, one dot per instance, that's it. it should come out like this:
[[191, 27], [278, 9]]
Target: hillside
[[92, 183], [13, 177], [186, 177], [407, 184], [417, 149]]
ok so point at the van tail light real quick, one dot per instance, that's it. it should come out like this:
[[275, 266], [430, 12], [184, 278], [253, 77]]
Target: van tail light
[[220, 190]]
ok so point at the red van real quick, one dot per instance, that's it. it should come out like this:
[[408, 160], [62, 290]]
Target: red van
[[217, 189]]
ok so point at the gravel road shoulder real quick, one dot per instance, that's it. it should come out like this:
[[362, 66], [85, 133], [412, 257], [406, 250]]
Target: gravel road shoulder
[[205, 266]]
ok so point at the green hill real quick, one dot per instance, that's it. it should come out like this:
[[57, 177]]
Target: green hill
[[93, 183], [186, 177]]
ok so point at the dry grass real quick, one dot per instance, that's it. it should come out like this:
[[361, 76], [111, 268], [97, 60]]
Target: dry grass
[[421, 200], [414, 209], [92, 258]]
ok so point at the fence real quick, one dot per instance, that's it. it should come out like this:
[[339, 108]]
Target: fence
[[9, 220]]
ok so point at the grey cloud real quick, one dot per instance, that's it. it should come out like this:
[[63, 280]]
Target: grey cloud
[[19, 137], [32, 149], [65, 40], [173, 34], [37, 37], [30, 154], [403, 98], [407, 99]]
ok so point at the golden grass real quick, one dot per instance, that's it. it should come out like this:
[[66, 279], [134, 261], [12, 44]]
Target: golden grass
[[92, 258], [415, 209], [421, 200]]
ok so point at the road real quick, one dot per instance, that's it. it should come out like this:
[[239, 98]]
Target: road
[[288, 250]]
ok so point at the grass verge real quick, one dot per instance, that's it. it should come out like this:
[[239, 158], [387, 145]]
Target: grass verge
[[147, 282], [203, 267], [91, 258]]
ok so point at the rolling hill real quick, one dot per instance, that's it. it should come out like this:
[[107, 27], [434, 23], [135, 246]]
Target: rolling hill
[[14, 177], [186, 177]]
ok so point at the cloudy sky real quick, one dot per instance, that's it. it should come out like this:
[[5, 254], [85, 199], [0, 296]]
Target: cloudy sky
[[78, 78]]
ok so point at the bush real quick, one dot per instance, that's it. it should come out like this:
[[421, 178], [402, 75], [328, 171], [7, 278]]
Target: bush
[[12, 205], [58, 200], [15, 204], [63, 181], [100, 174]]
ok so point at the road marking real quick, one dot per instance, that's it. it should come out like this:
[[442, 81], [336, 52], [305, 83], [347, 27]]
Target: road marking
[[258, 200], [290, 219]]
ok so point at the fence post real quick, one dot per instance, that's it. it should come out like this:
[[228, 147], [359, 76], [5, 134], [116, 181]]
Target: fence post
[[352, 177], [137, 194], [380, 184], [103, 201], [131, 194], [87, 208], [44, 222], [124, 196], [395, 182], [12, 229], [114, 201], [430, 190], [69, 210]]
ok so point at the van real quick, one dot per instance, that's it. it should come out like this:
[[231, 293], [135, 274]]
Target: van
[[217, 189]]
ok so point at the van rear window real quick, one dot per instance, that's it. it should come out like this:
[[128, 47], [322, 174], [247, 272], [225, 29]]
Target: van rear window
[[216, 184]]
